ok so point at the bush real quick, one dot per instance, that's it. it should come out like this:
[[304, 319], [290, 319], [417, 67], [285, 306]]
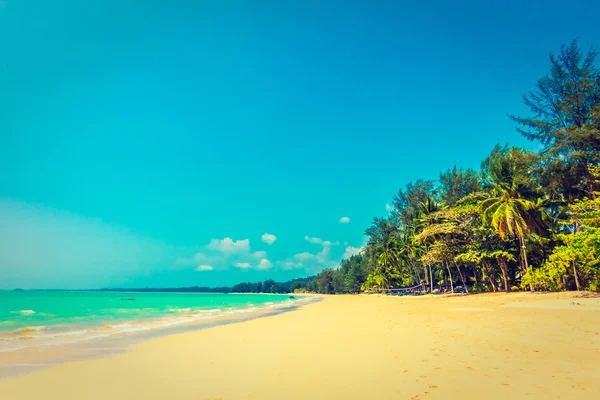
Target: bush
[[541, 279], [479, 288]]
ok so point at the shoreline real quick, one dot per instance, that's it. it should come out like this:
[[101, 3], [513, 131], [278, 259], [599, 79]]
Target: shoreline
[[492, 346], [31, 353]]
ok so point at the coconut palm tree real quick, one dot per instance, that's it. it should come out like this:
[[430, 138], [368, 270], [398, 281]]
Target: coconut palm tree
[[509, 216], [378, 233], [507, 211], [390, 255]]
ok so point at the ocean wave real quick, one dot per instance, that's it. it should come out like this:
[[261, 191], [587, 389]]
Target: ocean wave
[[30, 329], [247, 310], [180, 309], [43, 336], [23, 312]]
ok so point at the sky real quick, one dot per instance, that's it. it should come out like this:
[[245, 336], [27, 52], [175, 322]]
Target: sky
[[180, 143]]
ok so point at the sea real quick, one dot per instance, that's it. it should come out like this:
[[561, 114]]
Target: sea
[[66, 325]]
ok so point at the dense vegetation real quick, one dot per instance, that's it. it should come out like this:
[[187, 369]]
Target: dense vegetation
[[526, 220]]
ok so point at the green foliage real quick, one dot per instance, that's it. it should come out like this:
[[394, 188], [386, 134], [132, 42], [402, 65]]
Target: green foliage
[[325, 281], [407, 201], [456, 183], [565, 119], [580, 249]]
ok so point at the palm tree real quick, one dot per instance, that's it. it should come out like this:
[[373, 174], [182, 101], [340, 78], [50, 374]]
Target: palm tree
[[509, 216], [390, 256], [379, 232], [410, 253], [507, 210]]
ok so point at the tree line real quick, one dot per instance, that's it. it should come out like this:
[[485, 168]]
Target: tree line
[[524, 221]]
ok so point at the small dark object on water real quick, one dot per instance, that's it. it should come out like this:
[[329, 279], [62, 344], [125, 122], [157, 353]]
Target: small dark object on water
[[127, 299], [292, 297]]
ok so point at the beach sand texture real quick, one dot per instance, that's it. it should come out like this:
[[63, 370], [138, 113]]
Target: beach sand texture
[[495, 346]]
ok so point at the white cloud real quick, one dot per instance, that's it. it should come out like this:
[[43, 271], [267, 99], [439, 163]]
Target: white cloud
[[291, 265], [345, 243], [313, 240], [204, 268], [259, 254], [304, 256], [388, 208], [316, 240], [269, 238], [264, 264], [321, 256], [351, 251], [228, 245], [243, 265], [344, 220], [324, 254], [311, 263]]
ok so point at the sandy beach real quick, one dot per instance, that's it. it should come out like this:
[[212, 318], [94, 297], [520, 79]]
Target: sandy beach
[[494, 346]]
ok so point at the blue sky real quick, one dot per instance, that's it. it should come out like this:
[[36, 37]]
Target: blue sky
[[141, 141]]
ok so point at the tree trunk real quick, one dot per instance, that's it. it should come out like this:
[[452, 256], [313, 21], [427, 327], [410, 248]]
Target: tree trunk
[[590, 180], [462, 277], [526, 263], [577, 284], [487, 269], [504, 268], [416, 272], [450, 277], [430, 278], [575, 275]]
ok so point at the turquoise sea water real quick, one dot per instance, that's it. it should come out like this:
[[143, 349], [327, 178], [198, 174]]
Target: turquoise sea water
[[47, 309], [60, 326]]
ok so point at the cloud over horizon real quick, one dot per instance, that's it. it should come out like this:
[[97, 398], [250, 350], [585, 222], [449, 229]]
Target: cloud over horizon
[[312, 263], [259, 254], [73, 251], [264, 264], [229, 245], [344, 220], [268, 238], [351, 251], [316, 240]]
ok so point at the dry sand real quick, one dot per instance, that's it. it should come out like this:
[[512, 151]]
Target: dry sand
[[515, 346]]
